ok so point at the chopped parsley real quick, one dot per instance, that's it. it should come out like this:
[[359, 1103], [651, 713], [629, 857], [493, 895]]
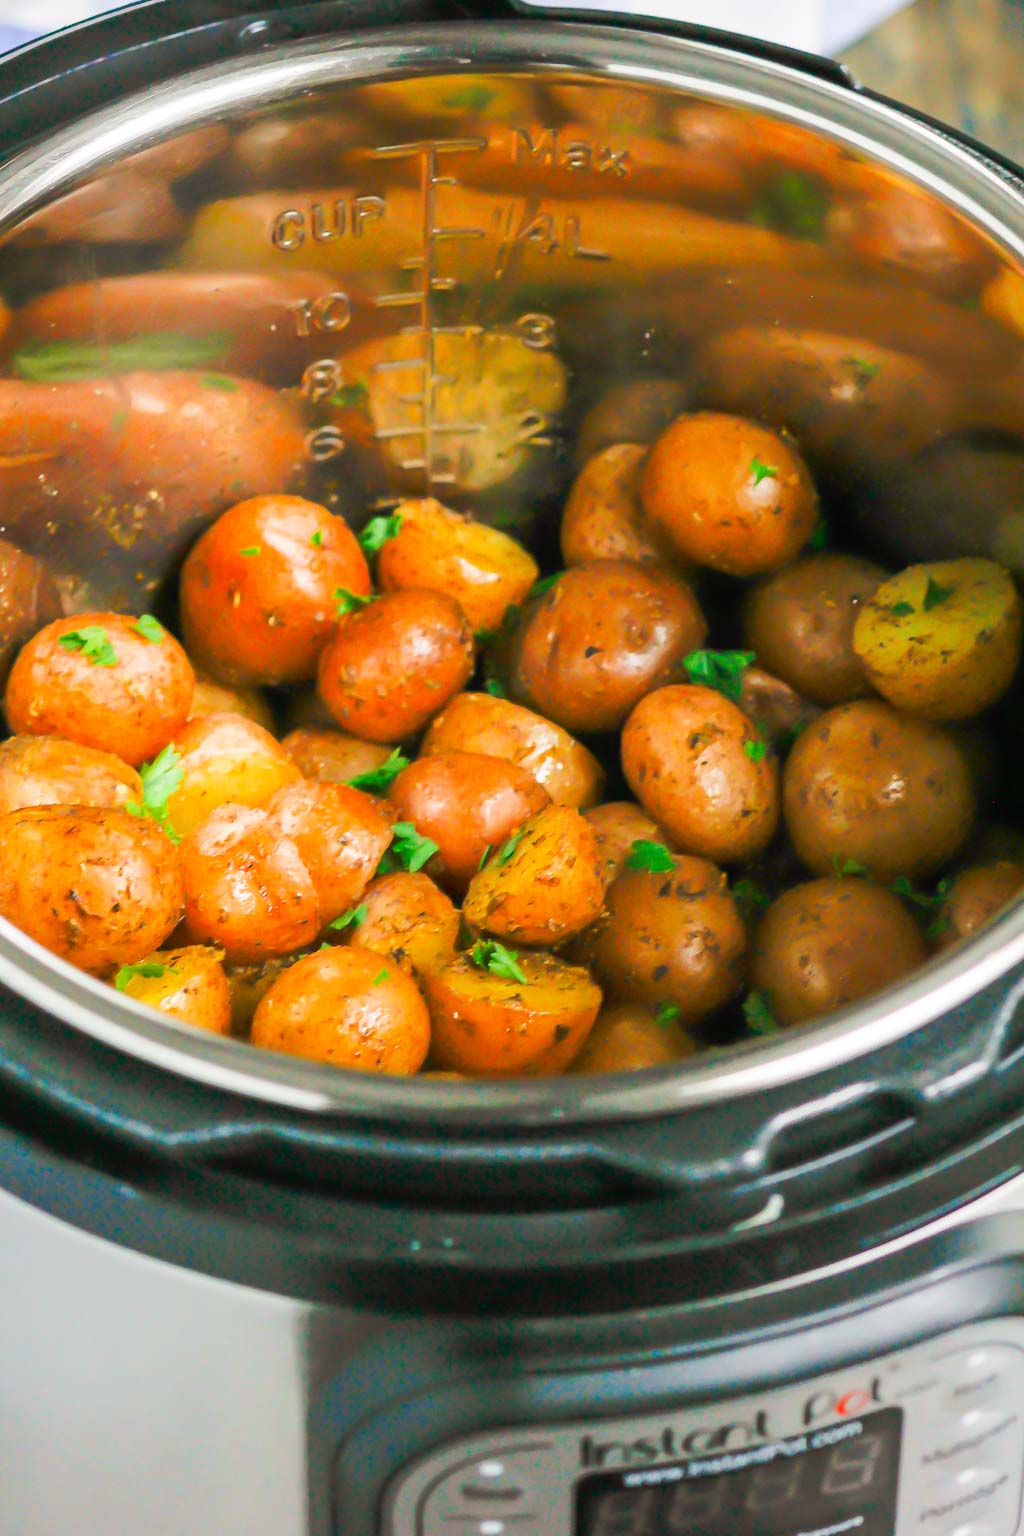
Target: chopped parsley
[[474, 98], [149, 628], [792, 205], [383, 777], [495, 689], [755, 750], [750, 898], [667, 1014], [408, 849], [348, 602], [317, 539], [350, 919], [863, 370], [508, 849], [762, 471], [900, 610], [758, 1014], [381, 975], [934, 594], [250, 550], [53, 362], [93, 642], [654, 858], [927, 901], [351, 397], [850, 868], [819, 535], [160, 780], [484, 857], [545, 584], [222, 381], [721, 670], [489, 955], [378, 531], [150, 969]]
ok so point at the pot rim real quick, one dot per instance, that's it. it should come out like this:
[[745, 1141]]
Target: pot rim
[[918, 151]]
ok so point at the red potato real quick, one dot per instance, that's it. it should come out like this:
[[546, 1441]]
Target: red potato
[[99, 680], [116, 476], [617, 825], [482, 569], [225, 760], [409, 919], [127, 205], [331, 757], [213, 698], [47, 770], [600, 638], [188, 984], [627, 1037], [543, 886], [340, 834], [729, 494], [887, 223], [634, 412], [257, 591], [96, 886], [486, 1025], [467, 804], [394, 664], [977, 895], [247, 888], [696, 764], [28, 601], [343, 1007], [603, 519], [778, 712], [476, 722]]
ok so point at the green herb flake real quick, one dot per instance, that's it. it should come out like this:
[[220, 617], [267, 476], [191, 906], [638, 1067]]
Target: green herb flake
[[850, 869], [348, 602], [489, 955], [351, 397], [792, 205], [149, 628], [54, 362], [545, 584], [509, 848], [900, 610], [94, 644], [485, 856], [721, 670], [934, 594], [758, 1014], [863, 370], [667, 1014], [380, 779], [378, 531], [762, 471], [150, 969], [221, 381], [250, 550], [750, 898], [819, 538], [160, 780], [350, 919], [925, 901], [495, 689], [381, 975], [317, 539], [474, 98], [408, 850], [654, 858], [755, 750]]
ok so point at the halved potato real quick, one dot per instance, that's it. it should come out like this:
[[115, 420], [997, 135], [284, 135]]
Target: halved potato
[[544, 885], [188, 984]]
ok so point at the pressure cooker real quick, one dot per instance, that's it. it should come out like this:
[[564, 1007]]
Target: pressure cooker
[[776, 1289]]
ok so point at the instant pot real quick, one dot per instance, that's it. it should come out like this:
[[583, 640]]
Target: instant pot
[[775, 1290]]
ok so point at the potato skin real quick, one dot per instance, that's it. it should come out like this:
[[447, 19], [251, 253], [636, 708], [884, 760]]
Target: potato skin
[[952, 660], [140, 702], [673, 937], [247, 889], [602, 518], [977, 895], [599, 639], [774, 708], [394, 665], [617, 825], [225, 760], [476, 722], [28, 601], [94, 885], [489, 1026], [831, 942], [633, 412], [341, 835], [264, 617], [684, 756], [466, 803], [626, 1037], [547, 889], [46, 770], [331, 757], [799, 622], [887, 790], [194, 987], [702, 490], [479, 567], [213, 698], [343, 1007], [410, 920]]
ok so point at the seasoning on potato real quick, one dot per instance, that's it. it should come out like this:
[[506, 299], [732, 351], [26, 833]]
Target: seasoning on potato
[[478, 722], [188, 984], [333, 757], [47, 770], [224, 760], [406, 917], [602, 518], [543, 885], [341, 835], [617, 825]]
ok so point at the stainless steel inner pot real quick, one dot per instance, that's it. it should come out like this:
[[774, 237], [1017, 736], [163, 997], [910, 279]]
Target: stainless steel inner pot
[[569, 206]]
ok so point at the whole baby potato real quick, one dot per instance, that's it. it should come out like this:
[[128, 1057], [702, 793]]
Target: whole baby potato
[[477, 722], [488, 1025], [46, 770], [543, 886], [600, 638], [343, 1007], [627, 1037], [225, 760], [331, 756], [102, 680], [634, 412], [886, 790], [188, 984], [95, 885], [777, 710], [799, 622], [408, 918], [394, 664], [976, 896], [213, 698], [341, 835], [831, 942], [603, 519], [617, 825], [468, 805], [28, 600], [699, 768], [669, 936], [728, 493]]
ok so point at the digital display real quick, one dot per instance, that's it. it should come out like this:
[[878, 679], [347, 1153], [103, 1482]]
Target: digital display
[[835, 1481]]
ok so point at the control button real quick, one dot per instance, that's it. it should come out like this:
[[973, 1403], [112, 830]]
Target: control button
[[956, 1495], [970, 1431], [972, 1530], [977, 1377]]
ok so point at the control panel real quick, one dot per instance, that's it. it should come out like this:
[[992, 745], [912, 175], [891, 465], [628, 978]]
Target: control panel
[[928, 1440]]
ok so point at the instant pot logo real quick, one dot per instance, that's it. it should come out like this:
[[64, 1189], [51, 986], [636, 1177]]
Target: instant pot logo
[[672, 1442]]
